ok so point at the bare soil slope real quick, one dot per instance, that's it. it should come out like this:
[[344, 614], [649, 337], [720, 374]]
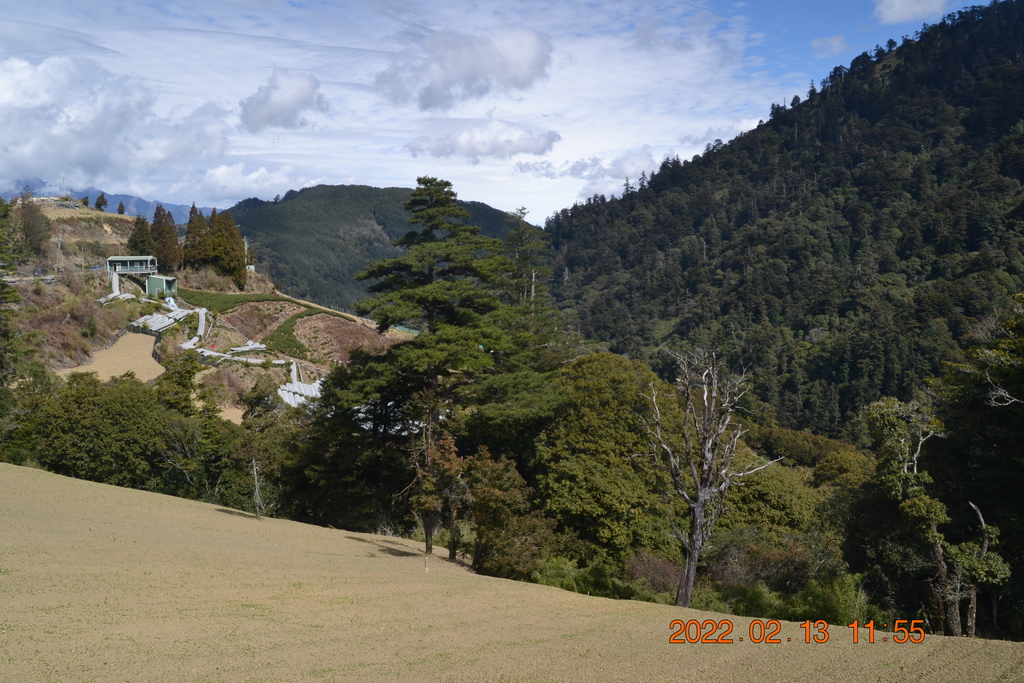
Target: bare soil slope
[[332, 338], [99, 583], [132, 352]]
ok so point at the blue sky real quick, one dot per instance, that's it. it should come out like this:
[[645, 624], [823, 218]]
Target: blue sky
[[519, 103]]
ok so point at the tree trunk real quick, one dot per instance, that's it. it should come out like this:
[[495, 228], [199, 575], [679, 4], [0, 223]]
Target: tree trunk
[[453, 538], [257, 496], [995, 613], [687, 580], [972, 611], [428, 533], [944, 593], [693, 545]]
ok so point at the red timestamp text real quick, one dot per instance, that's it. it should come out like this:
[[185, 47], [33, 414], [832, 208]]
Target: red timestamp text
[[720, 632]]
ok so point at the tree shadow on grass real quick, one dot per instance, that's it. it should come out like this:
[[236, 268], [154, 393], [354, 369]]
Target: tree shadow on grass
[[237, 513], [393, 548]]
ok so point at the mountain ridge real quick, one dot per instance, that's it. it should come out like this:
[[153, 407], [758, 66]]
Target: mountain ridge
[[134, 206], [313, 241]]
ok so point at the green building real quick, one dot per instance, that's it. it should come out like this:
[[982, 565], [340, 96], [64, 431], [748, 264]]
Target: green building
[[161, 283]]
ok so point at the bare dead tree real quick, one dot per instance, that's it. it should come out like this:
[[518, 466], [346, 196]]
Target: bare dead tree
[[183, 447], [946, 586], [998, 397], [259, 506], [972, 591], [701, 466]]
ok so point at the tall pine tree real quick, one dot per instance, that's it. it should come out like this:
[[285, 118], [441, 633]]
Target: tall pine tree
[[412, 397], [226, 248], [140, 242], [196, 239], [165, 236]]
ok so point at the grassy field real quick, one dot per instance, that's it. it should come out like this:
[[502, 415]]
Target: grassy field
[[99, 583]]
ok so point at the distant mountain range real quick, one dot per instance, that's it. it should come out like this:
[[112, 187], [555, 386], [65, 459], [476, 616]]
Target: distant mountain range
[[133, 206]]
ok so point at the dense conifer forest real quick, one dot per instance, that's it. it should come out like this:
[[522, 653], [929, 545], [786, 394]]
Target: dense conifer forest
[[843, 249]]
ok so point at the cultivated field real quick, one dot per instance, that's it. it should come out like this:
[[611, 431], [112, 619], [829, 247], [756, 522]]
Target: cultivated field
[[101, 583]]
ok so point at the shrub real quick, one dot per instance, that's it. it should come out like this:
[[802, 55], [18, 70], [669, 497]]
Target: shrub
[[559, 572], [839, 600], [755, 600], [707, 598], [661, 575]]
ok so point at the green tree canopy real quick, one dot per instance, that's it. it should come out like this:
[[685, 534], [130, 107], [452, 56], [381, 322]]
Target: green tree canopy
[[140, 241], [196, 247], [590, 477], [168, 250], [216, 243], [226, 249], [104, 432]]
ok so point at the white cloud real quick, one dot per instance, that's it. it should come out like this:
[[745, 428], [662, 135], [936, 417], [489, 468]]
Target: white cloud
[[601, 177], [450, 67], [901, 11], [609, 77], [702, 32], [281, 101], [72, 117], [539, 169], [826, 47], [498, 139], [231, 182]]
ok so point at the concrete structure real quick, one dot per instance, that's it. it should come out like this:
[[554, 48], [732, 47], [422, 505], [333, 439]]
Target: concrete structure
[[297, 393], [161, 283], [115, 290]]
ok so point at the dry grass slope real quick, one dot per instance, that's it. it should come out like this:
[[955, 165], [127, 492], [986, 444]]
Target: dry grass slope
[[99, 583]]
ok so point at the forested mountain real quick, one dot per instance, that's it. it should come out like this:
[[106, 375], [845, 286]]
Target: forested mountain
[[313, 241], [843, 249]]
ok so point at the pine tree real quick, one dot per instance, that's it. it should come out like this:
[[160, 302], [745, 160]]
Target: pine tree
[[443, 285], [101, 202], [438, 281], [10, 341], [196, 242], [140, 242], [165, 237], [35, 226], [226, 250]]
